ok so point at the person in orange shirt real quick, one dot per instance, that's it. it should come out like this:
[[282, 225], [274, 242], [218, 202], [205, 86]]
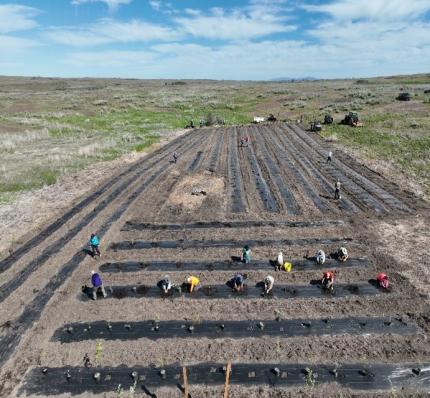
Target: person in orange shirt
[[193, 283]]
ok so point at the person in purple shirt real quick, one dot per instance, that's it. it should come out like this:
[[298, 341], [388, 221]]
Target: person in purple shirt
[[97, 285]]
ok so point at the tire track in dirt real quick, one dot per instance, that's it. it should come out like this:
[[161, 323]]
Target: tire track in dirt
[[12, 337]]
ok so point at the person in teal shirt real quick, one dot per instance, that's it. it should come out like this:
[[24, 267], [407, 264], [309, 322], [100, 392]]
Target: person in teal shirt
[[95, 243], [246, 254]]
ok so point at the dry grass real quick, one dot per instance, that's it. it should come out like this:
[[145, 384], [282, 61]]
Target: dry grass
[[51, 127]]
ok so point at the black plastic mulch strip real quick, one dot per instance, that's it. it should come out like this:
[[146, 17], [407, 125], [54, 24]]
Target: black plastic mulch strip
[[309, 168], [7, 262], [237, 202], [31, 313], [267, 197], [358, 192], [155, 330], [191, 244], [370, 377], [276, 176], [249, 292], [215, 155], [195, 162], [284, 158], [10, 286], [361, 180], [172, 266], [138, 226]]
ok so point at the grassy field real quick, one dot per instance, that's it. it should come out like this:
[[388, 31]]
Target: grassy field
[[51, 127]]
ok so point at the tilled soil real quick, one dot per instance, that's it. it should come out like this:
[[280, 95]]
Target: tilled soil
[[282, 176]]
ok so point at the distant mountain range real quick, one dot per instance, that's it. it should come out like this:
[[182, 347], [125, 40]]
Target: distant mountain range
[[291, 79]]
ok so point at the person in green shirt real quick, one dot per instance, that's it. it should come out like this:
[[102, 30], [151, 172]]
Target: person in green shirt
[[246, 254]]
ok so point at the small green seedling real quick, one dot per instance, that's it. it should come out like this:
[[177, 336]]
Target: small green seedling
[[119, 391], [310, 378]]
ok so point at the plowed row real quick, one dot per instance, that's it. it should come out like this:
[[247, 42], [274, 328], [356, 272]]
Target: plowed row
[[275, 195]]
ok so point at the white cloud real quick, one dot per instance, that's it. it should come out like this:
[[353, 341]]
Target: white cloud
[[155, 4], [11, 46], [375, 10], [112, 4], [266, 59], [109, 59], [14, 17], [109, 31], [248, 23]]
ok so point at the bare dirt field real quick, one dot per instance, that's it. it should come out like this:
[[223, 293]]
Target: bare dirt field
[[192, 217]]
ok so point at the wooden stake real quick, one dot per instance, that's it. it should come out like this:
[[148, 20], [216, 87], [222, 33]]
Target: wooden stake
[[184, 374], [227, 379]]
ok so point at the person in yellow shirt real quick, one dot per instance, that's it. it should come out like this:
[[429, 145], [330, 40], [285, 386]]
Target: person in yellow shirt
[[193, 283]]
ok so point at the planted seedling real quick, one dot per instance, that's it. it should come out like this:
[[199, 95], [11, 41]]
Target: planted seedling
[[119, 391], [310, 378]]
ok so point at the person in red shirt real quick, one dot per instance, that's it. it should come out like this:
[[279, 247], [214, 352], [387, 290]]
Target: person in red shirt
[[382, 280], [328, 280]]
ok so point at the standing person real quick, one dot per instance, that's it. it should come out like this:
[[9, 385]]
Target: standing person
[[329, 156], [337, 189], [246, 254], [175, 157], [280, 260], [94, 244], [269, 281], [97, 285]]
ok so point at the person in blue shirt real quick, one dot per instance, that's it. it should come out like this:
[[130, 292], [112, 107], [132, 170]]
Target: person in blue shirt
[[97, 283], [94, 244]]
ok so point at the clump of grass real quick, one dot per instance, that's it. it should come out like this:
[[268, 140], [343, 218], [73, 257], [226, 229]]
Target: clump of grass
[[98, 353]]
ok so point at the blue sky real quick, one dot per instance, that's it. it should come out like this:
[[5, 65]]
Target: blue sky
[[237, 39]]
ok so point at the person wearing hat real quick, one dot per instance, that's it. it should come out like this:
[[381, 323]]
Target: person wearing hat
[[166, 284], [97, 285]]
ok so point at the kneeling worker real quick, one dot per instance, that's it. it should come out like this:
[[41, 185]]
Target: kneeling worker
[[320, 257], [327, 281], [382, 280], [342, 254], [269, 281], [166, 284], [238, 283], [193, 283]]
